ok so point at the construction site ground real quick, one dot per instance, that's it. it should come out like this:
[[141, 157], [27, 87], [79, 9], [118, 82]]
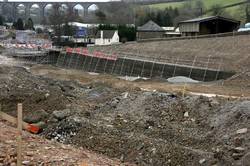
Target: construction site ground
[[144, 122], [40, 151]]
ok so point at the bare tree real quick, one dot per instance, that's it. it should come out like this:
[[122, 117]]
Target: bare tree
[[120, 12]]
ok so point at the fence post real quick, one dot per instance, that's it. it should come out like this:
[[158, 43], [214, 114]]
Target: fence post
[[19, 135]]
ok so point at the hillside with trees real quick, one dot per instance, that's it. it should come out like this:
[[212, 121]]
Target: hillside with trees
[[235, 9]]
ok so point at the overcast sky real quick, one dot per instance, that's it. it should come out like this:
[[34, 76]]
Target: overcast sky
[[59, 0]]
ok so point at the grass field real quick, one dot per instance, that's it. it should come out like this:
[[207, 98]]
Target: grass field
[[235, 12], [207, 3]]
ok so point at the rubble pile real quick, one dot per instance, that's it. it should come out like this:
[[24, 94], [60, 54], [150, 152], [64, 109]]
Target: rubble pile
[[133, 125]]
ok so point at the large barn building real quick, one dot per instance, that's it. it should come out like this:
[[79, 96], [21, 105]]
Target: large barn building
[[208, 25]]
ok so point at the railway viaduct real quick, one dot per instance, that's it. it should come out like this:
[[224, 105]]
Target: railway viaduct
[[10, 8]]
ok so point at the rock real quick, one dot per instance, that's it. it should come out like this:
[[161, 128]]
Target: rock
[[13, 164], [75, 120], [114, 102], [26, 162], [60, 115], [32, 119], [181, 79], [125, 95], [150, 123], [237, 156], [213, 102], [47, 95], [202, 161], [238, 141], [239, 149], [154, 150], [246, 160], [36, 117], [242, 131], [186, 114], [52, 120], [29, 154]]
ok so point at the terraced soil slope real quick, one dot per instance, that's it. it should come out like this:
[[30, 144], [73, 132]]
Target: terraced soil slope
[[226, 53]]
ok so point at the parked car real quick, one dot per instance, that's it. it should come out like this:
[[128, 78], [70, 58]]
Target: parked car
[[245, 28]]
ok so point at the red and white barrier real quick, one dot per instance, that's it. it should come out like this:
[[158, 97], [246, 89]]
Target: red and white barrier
[[85, 52], [27, 46]]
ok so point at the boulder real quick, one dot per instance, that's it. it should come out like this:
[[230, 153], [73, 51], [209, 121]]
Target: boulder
[[62, 114], [36, 116]]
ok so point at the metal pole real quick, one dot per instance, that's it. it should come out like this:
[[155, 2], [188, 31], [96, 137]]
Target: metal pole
[[113, 67], [204, 77], [142, 71], [97, 64], [77, 60], [192, 66], [105, 65], [162, 71], [131, 73], [123, 64], [84, 63], [152, 69], [218, 71], [64, 57], [90, 63], [71, 58], [175, 66]]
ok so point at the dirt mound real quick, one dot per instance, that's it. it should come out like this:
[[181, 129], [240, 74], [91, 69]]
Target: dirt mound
[[39, 151], [141, 127], [153, 128]]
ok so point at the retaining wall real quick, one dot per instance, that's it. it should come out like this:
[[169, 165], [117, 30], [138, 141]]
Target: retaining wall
[[126, 66], [136, 67]]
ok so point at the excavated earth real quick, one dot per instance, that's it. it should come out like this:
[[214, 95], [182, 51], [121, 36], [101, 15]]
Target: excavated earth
[[131, 124]]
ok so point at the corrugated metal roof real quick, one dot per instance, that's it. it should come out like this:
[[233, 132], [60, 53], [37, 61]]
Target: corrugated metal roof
[[150, 26], [199, 19], [202, 19]]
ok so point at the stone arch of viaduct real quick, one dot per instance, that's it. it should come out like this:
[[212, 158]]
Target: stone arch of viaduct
[[42, 5]]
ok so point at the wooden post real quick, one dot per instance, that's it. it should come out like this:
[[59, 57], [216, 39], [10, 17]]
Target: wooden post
[[184, 90], [19, 135]]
